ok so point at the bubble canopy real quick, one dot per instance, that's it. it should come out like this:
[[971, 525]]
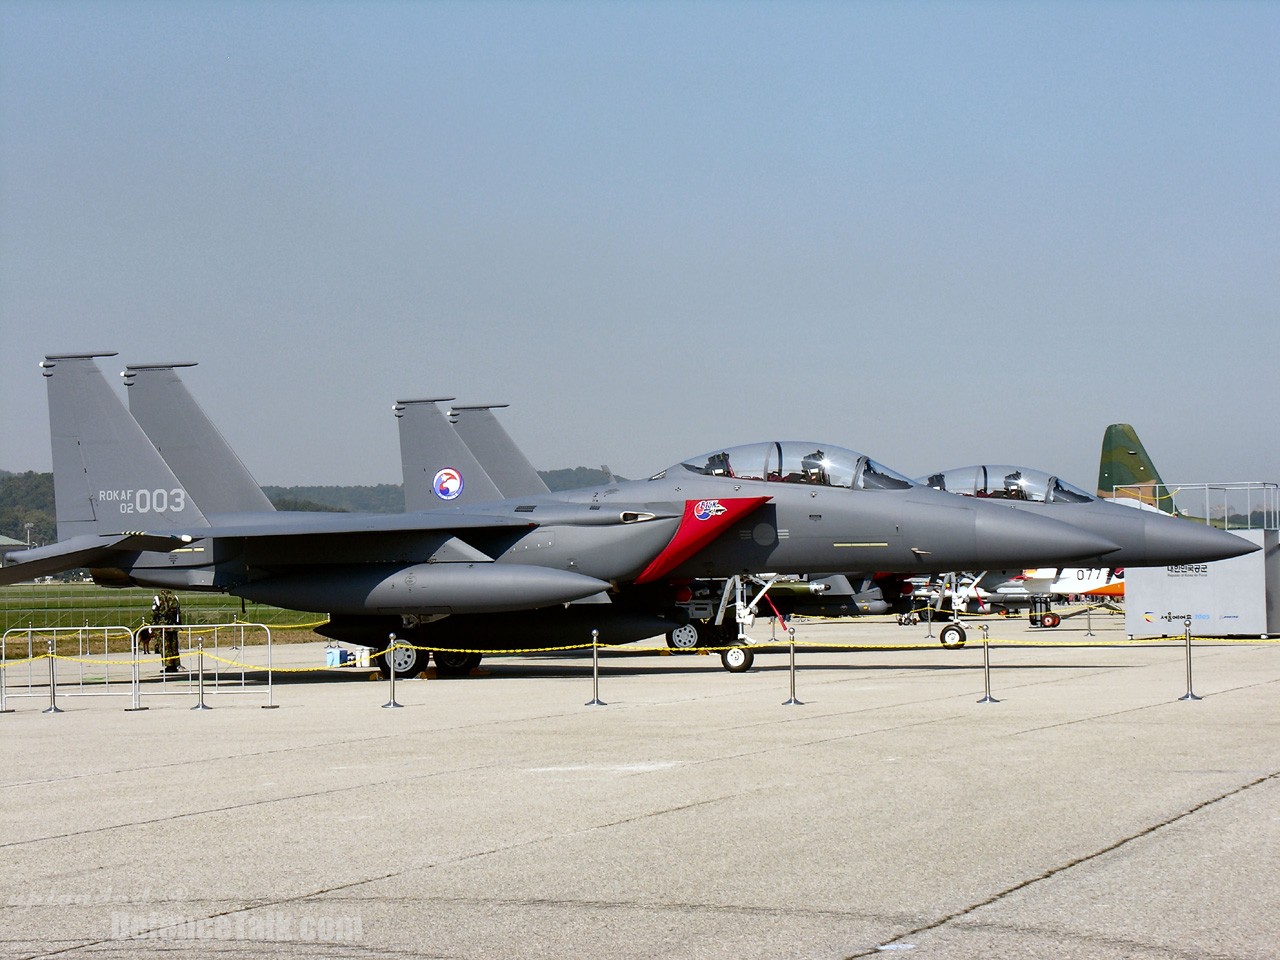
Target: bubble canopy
[[1004, 482], [795, 461]]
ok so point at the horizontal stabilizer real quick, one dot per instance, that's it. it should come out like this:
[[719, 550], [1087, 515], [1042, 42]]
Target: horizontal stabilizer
[[85, 551], [302, 524]]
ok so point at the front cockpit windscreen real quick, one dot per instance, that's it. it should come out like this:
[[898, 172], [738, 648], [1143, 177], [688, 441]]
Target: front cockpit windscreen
[[1001, 482], [794, 461]]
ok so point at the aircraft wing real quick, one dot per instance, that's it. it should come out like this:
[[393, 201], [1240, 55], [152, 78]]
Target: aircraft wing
[[90, 550], [300, 524]]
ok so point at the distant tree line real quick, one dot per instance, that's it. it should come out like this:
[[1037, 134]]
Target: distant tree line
[[383, 498], [27, 498]]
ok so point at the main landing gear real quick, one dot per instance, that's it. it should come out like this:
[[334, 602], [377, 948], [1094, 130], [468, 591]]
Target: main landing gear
[[689, 637], [409, 661]]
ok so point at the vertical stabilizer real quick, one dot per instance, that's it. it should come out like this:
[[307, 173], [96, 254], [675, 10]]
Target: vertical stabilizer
[[1125, 463], [107, 477], [194, 448], [497, 452], [439, 469]]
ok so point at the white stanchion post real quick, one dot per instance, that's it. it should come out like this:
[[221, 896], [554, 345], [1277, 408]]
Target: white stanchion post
[[53, 683], [200, 704], [791, 646], [986, 667], [595, 700], [390, 654], [1189, 695]]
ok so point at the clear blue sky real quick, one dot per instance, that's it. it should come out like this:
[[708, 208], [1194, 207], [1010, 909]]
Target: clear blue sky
[[939, 233]]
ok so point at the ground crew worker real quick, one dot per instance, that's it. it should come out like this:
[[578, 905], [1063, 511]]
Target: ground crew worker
[[166, 610]]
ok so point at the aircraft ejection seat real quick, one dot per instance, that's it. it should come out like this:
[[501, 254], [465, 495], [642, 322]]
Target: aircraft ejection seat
[[718, 465]]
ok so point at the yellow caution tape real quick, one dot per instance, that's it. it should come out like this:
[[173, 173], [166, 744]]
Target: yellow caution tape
[[776, 645]]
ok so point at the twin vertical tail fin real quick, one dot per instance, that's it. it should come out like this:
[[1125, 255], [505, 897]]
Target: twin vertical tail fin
[[439, 469], [108, 478], [509, 468], [195, 450], [1125, 463]]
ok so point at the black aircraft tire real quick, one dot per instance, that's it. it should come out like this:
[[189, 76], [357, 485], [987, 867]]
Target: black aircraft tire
[[952, 636], [455, 663], [737, 659], [1050, 620], [685, 637], [409, 662]]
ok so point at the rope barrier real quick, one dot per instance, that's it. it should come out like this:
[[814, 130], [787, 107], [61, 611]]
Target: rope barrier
[[764, 645]]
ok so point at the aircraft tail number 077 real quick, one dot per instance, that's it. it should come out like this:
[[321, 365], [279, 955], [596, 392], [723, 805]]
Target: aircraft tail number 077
[[146, 501]]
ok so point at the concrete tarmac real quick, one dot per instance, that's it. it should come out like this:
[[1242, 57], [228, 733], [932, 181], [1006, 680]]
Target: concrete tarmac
[[1088, 814]]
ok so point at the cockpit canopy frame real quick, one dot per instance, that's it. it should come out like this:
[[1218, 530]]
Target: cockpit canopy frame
[[798, 462], [1005, 482]]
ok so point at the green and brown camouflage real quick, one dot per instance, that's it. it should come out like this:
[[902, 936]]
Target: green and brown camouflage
[[1125, 463]]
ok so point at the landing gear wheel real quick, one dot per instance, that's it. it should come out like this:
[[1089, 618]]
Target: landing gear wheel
[[455, 663], [683, 637], [737, 659], [952, 636], [406, 661], [1050, 620]]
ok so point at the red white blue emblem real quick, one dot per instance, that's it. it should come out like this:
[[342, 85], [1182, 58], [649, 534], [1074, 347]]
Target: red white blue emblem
[[706, 509], [447, 484]]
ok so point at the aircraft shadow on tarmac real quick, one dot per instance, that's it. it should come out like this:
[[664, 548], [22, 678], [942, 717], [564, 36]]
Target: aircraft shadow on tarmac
[[564, 667]]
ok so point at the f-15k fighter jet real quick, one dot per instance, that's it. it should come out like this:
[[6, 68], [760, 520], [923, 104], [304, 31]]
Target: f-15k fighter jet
[[462, 577]]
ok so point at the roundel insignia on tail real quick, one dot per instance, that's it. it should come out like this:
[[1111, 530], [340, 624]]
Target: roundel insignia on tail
[[447, 484]]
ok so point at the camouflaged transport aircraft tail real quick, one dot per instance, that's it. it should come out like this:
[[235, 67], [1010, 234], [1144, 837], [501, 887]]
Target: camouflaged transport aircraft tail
[[1125, 463]]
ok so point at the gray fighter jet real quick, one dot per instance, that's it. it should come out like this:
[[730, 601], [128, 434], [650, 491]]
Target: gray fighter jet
[[455, 576]]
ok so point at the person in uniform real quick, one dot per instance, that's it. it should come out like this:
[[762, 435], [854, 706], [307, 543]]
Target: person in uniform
[[167, 613]]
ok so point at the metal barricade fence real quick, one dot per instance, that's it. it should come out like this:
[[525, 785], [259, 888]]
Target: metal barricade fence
[[238, 659], [92, 668], [229, 659]]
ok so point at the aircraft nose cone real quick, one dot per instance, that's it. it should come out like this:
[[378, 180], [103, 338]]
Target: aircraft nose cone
[[1011, 538], [1176, 540]]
